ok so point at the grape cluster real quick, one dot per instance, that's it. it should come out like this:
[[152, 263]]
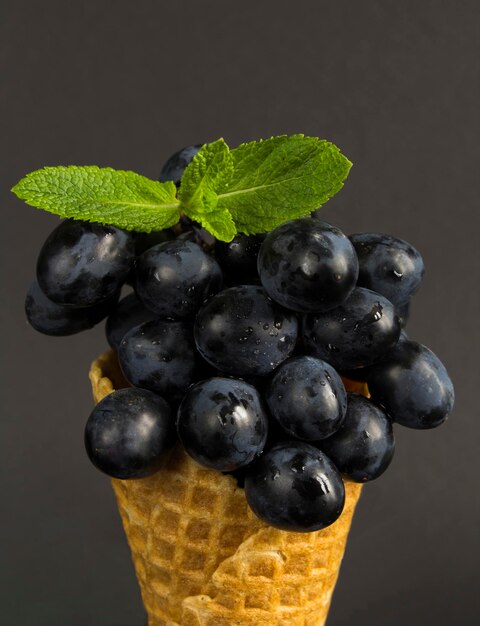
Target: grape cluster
[[240, 352]]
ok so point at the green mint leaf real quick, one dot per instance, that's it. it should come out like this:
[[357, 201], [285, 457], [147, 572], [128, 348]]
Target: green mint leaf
[[219, 223], [209, 172], [103, 195], [279, 179]]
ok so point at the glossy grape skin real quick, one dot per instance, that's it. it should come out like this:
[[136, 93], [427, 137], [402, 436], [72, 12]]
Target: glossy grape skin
[[307, 265], [295, 487], [307, 397], [403, 336], [173, 279], [238, 258], [412, 385], [360, 374], [363, 447], [128, 313], [388, 265], [222, 423], [354, 334], [50, 318], [159, 356], [177, 163], [242, 332], [144, 241], [128, 433], [200, 236], [83, 264], [403, 312]]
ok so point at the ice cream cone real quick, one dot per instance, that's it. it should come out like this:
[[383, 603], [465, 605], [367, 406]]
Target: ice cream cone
[[201, 556]]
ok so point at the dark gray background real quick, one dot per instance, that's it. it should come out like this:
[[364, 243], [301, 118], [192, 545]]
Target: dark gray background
[[396, 86]]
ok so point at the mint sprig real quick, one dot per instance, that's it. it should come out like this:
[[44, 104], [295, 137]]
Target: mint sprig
[[250, 189]]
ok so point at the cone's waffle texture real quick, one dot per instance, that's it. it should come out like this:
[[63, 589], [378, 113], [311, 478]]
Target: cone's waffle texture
[[201, 556]]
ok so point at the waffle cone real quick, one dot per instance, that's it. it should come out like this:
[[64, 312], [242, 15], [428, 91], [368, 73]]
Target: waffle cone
[[201, 556]]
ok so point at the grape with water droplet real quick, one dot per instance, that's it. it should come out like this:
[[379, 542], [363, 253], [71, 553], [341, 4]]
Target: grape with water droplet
[[295, 487], [354, 334], [307, 398], [363, 446], [222, 423], [230, 332]]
